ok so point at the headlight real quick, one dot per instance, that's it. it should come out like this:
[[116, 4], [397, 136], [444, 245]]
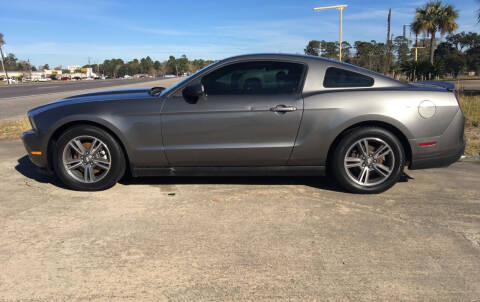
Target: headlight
[[32, 122]]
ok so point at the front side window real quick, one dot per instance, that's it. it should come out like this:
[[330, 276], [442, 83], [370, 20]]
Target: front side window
[[341, 78], [258, 77]]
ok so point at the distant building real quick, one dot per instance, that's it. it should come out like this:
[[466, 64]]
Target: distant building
[[36, 75], [87, 72], [49, 73], [72, 68]]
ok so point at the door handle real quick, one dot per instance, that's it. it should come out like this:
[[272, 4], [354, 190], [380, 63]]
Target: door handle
[[283, 108]]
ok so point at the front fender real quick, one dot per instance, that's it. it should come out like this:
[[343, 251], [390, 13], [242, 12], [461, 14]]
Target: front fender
[[88, 119]]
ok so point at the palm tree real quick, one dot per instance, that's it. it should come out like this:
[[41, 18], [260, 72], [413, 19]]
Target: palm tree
[[2, 42], [478, 16], [434, 17]]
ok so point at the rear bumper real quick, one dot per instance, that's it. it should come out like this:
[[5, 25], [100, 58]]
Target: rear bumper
[[442, 160], [448, 148], [33, 143]]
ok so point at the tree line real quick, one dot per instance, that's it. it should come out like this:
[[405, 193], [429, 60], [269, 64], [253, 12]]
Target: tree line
[[119, 67], [423, 57], [175, 66], [459, 53]]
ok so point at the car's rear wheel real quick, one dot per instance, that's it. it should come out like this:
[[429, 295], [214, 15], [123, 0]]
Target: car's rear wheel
[[88, 158], [368, 160]]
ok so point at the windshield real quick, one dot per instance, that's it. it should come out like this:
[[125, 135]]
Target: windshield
[[174, 86]]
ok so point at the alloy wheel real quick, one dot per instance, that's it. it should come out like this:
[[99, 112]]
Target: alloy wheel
[[86, 159], [369, 161]]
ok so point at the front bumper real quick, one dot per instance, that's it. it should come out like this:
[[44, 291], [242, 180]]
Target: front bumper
[[33, 143]]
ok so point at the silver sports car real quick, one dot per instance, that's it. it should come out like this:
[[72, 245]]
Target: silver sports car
[[262, 114]]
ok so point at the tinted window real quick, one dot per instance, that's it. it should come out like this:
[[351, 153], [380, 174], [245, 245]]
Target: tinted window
[[259, 77], [337, 77]]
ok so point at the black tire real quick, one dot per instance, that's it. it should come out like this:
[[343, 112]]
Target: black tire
[[337, 165], [117, 165]]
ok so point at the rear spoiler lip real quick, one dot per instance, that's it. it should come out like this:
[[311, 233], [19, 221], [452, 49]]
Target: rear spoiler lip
[[447, 85]]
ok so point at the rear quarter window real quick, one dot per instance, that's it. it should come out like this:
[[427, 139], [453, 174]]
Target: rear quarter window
[[342, 78]]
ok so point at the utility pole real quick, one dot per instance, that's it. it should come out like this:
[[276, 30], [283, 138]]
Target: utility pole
[[405, 31], [3, 59], [416, 47], [340, 9], [3, 66]]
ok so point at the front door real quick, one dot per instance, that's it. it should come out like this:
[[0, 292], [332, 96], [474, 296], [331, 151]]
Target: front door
[[249, 116]]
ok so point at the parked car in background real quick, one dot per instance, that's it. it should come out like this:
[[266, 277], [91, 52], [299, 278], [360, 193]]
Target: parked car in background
[[11, 80], [266, 114], [65, 78]]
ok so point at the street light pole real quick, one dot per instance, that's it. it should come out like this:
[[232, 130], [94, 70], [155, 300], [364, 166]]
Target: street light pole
[[340, 9], [3, 65]]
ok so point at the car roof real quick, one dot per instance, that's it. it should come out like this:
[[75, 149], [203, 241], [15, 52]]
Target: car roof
[[300, 57], [308, 58]]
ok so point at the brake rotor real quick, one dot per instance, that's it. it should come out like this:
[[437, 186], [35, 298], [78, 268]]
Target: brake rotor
[[380, 159]]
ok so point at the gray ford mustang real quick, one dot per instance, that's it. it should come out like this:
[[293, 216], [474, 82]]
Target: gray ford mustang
[[263, 114]]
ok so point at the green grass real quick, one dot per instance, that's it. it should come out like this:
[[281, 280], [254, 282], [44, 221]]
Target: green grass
[[471, 108]]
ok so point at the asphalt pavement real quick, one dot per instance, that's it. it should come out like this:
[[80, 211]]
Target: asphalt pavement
[[16, 107], [238, 239], [19, 90], [467, 85]]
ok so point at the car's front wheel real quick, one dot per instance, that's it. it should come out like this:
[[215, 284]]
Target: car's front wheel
[[368, 160], [88, 158]]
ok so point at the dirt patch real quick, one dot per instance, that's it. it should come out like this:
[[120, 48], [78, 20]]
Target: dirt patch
[[13, 129]]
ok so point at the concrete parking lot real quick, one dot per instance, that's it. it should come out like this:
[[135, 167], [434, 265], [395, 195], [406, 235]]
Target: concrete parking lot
[[238, 239], [233, 239]]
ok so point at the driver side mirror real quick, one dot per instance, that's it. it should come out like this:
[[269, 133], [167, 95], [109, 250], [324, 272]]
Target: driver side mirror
[[193, 92]]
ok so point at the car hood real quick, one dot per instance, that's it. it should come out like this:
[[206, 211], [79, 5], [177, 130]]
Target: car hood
[[98, 96]]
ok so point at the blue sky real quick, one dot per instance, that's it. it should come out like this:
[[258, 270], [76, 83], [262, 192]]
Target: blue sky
[[68, 32]]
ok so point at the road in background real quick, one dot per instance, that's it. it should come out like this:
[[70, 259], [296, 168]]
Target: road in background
[[12, 108], [467, 85], [8, 91]]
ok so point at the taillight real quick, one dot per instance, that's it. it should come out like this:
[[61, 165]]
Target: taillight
[[427, 144]]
